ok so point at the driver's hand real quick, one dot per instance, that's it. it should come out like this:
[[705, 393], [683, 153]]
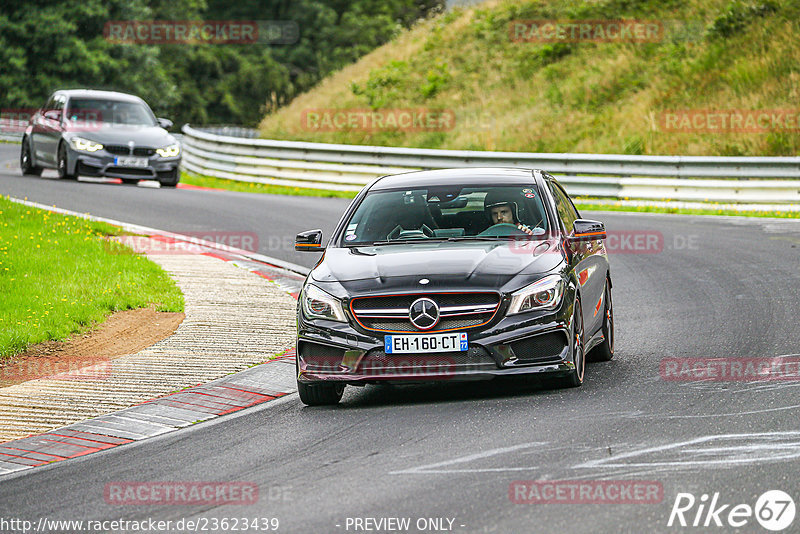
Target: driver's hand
[[525, 229]]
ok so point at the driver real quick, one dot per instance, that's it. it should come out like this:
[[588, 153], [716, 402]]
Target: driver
[[500, 210]]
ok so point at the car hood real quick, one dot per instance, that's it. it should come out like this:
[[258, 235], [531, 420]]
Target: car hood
[[149, 136], [491, 264]]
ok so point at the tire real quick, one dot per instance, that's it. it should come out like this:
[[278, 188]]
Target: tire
[[605, 351], [62, 164], [575, 377], [172, 181], [130, 181], [320, 394], [26, 162]]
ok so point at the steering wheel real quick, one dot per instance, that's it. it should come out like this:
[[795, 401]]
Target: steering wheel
[[502, 230]]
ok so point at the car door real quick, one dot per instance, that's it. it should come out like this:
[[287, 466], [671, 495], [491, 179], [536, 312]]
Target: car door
[[48, 135], [39, 132], [590, 264]]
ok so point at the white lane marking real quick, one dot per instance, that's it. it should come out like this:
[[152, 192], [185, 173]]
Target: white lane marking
[[710, 451], [431, 468]]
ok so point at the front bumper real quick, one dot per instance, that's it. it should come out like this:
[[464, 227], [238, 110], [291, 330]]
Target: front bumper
[[520, 345], [103, 164]]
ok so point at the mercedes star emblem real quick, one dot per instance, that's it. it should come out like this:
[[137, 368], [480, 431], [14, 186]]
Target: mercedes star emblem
[[424, 313]]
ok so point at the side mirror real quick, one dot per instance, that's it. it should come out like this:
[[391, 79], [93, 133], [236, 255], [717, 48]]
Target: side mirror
[[586, 230], [309, 241], [164, 123], [52, 114]]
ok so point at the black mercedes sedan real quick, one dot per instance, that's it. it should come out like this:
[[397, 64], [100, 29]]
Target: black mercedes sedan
[[101, 134], [456, 274]]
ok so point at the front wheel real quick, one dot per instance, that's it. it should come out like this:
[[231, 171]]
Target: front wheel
[[605, 350], [172, 180], [575, 377], [320, 394], [26, 160], [63, 173]]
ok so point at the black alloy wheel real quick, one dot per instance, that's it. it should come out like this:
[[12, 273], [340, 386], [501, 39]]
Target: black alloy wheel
[[26, 160], [605, 351], [62, 164]]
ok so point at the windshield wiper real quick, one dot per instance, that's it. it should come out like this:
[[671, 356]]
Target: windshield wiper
[[410, 240], [476, 238]]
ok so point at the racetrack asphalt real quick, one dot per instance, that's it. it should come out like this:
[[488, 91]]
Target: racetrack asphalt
[[720, 288]]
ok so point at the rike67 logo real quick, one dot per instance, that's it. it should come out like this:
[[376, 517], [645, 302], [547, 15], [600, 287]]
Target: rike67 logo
[[774, 510]]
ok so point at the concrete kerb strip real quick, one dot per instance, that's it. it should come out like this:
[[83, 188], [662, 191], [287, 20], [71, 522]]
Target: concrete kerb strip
[[226, 331]]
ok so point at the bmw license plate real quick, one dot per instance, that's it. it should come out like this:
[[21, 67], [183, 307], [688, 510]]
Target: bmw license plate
[[131, 162], [411, 344]]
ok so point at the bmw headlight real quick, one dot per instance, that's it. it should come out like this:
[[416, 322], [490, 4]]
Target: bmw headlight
[[320, 305], [544, 294], [79, 143], [169, 151]]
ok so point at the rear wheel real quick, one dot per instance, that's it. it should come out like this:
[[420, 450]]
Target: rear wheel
[[605, 350], [26, 160], [320, 394], [62, 164], [575, 376]]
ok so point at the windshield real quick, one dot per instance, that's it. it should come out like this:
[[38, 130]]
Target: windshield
[[111, 112], [469, 213]]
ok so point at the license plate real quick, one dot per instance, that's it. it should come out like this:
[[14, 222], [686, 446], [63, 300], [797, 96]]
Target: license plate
[[410, 344], [131, 162]]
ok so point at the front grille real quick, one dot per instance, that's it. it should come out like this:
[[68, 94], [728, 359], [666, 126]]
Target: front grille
[[141, 151], [377, 363], [542, 348], [457, 311], [118, 150], [128, 171]]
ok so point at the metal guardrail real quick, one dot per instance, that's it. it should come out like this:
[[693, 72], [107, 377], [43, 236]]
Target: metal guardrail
[[348, 167]]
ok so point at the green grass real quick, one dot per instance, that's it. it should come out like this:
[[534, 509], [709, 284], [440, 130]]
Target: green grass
[[59, 276], [579, 97], [611, 206], [250, 187], [233, 185]]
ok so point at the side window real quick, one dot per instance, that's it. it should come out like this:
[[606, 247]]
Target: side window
[[51, 104], [566, 211]]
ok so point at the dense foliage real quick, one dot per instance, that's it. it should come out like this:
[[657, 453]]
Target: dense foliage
[[47, 45], [713, 61]]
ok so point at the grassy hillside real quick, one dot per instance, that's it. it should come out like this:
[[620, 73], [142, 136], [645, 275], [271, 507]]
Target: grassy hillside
[[574, 97]]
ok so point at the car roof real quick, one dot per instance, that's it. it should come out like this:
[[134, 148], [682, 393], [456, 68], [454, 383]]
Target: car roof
[[454, 177], [93, 93]]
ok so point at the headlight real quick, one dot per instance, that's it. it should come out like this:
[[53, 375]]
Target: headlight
[[169, 151], [321, 305], [79, 143], [544, 294]]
